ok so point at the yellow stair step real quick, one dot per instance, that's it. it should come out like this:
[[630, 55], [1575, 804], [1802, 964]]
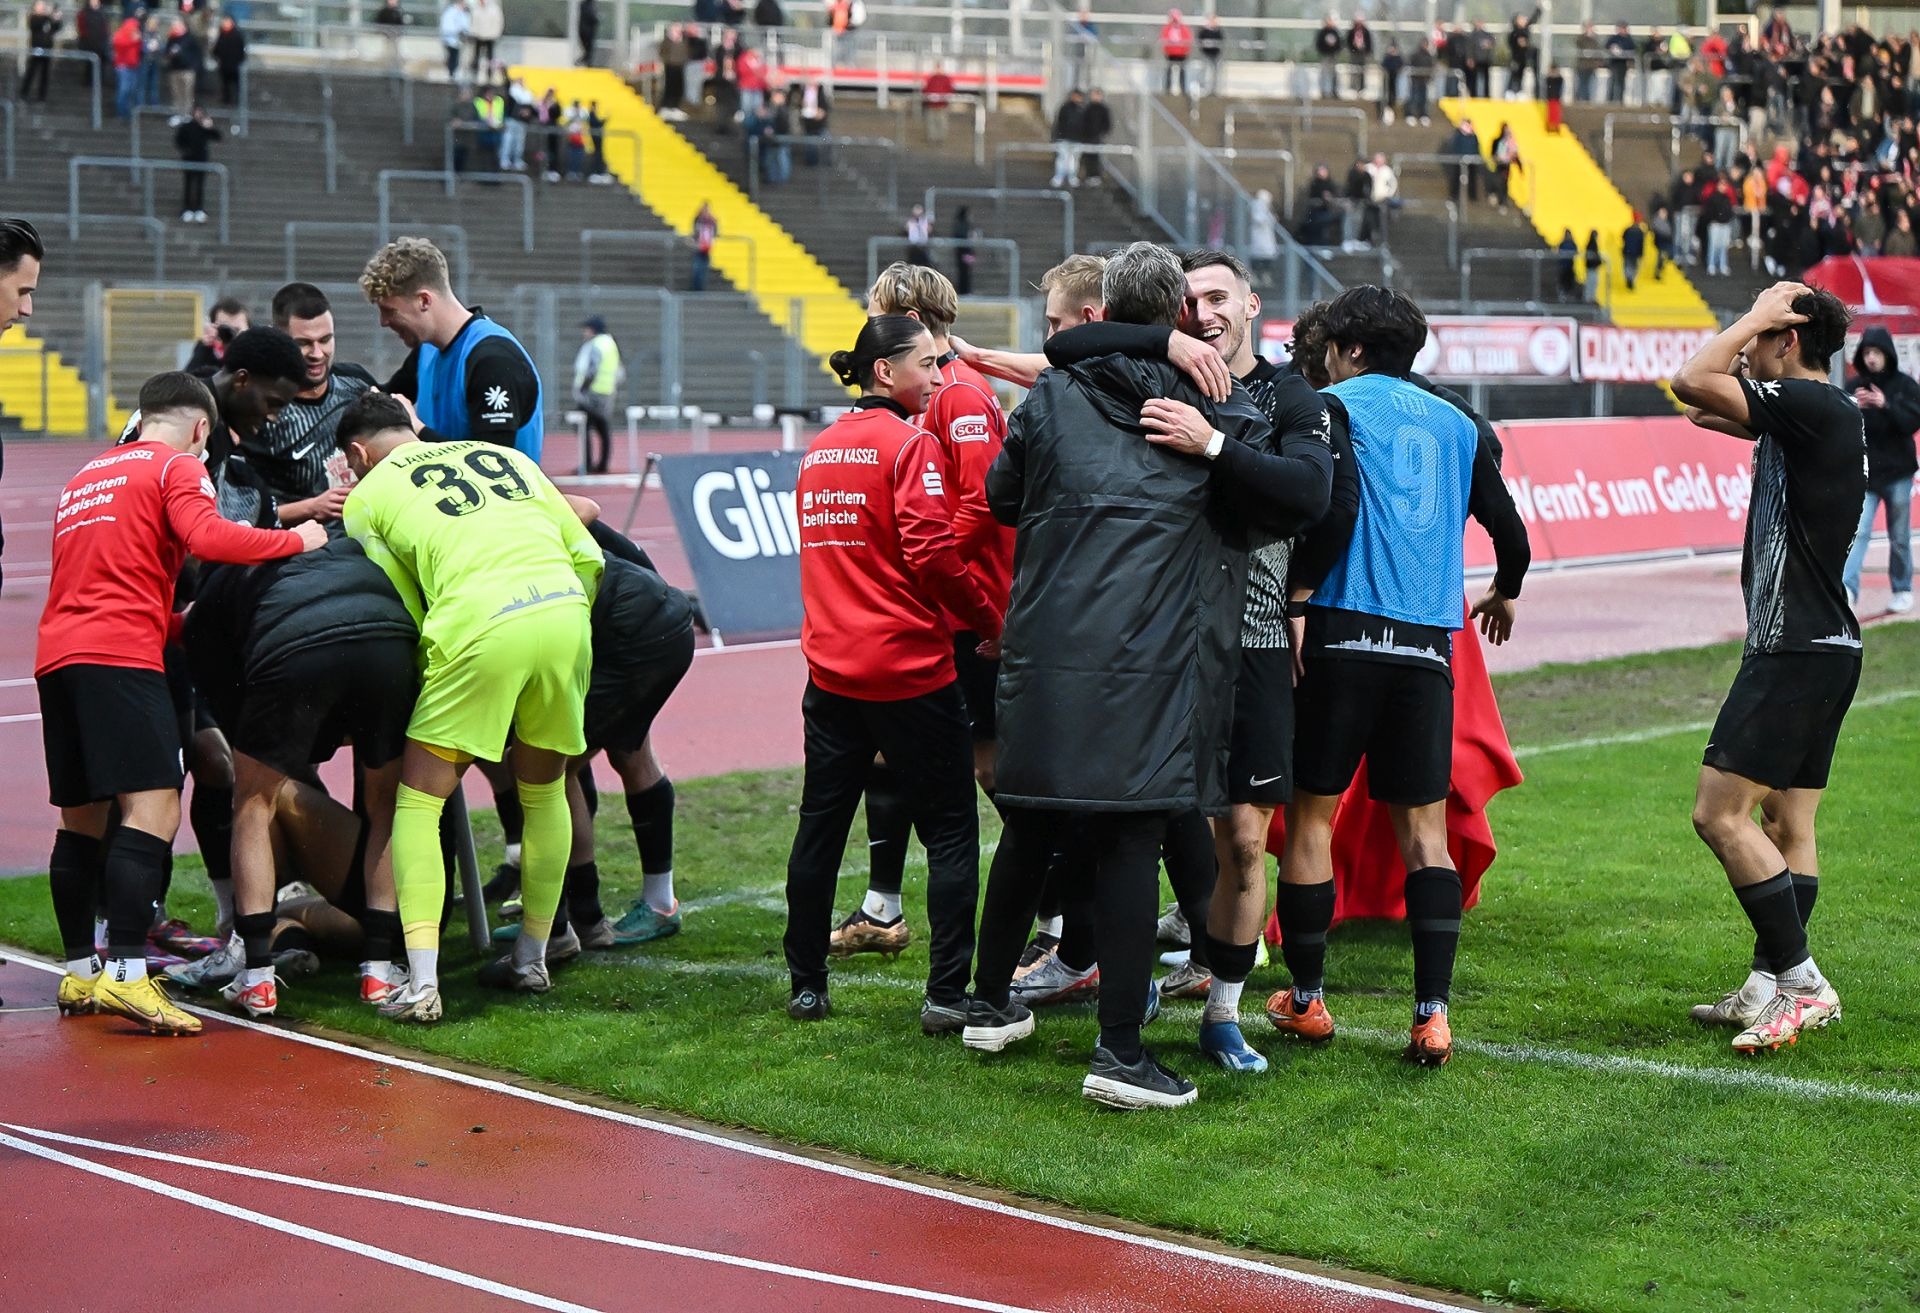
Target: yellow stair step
[[59, 406]]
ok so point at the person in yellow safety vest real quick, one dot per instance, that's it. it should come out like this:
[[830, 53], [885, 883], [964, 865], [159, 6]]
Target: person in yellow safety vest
[[596, 376]]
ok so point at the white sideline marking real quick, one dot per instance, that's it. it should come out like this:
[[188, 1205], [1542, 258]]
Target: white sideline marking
[[25, 717], [526, 1223], [1692, 727], [16, 683], [272, 1223], [1153, 1243], [771, 645]]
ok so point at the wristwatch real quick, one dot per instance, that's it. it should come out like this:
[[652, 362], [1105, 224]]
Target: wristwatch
[[1216, 444]]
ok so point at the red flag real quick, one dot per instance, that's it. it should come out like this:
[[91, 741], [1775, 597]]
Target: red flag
[[1369, 879]]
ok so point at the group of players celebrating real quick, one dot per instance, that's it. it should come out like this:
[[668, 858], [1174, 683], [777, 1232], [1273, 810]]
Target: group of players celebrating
[[1177, 589]]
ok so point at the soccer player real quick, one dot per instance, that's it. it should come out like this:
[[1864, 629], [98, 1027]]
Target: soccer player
[[465, 376], [880, 574], [295, 659], [1766, 377], [125, 526], [965, 416], [1375, 598], [500, 574]]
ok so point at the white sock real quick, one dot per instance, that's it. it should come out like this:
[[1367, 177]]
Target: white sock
[[1760, 984], [1223, 1000], [881, 907], [223, 897], [84, 967], [99, 930], [255, 975], [528, 951], [423, 964], [1805, 977], [380, 971], [127, 969], [657, 891], [1052, 925], [513, 854]]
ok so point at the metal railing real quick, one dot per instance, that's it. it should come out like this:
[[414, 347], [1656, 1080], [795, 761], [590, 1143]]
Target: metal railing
[[452, 241], [383, 185], [833, 146], [671, 242], [147, 170], [1538, 261], [328, 137], [1233, 154], [1051, 150], [102, 70], [1305, 115], [538, 135], [154, 229], [1679, 127], [1001, 195], [8, 106], [1012, 249]]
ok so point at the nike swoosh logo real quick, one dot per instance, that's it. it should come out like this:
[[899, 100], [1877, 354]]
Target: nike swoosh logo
[[300, 452], [1270, 779]]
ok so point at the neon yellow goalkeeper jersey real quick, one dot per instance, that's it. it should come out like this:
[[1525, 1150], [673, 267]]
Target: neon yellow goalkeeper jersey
[[471, 534]]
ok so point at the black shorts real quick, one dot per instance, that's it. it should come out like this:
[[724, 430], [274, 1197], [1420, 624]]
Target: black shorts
[[624, 699], [1398, 716], [978, 677], [1782, 717], [1260, 761], [193, 710], [108, 730], [309, 704]]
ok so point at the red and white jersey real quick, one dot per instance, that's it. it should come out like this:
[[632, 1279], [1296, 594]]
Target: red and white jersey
[[125, 525], [879, 569], [966, 416]]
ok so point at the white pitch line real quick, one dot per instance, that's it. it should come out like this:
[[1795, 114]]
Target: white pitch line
[[771, 645], [451, 1275], [529, 1223], [23, 719], [1668, 731], [17, 683], [1152, 1243]]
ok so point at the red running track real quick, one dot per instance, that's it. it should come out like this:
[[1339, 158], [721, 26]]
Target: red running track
[[313, 1174]]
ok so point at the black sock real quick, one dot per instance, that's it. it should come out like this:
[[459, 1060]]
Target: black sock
[[582, 898], [1433, 918], [1806, 891], [72, 874], [379, 932], [889, 826], [1306, 913], [590, 791], [513, 821], [1193, 868], [651, 811], [211, 813], [1231, 963], [1078, 947], [293, 935], [1775, 915], [135, 865], [256, 933]]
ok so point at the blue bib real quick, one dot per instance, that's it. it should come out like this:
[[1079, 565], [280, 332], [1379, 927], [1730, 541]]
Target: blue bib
[[442, 403]]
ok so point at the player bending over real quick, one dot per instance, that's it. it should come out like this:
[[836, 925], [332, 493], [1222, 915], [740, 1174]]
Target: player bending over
[[499, 572], [1766, 378]]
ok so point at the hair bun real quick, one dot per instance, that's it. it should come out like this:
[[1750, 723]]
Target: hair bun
[[841, 363]]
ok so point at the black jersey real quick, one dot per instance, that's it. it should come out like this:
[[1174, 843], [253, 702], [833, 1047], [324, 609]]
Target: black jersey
[[1809, 482], [290, 454], [1292, 407]]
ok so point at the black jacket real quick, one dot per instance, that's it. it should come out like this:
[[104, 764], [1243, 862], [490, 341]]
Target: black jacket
[[634, 609], [1890, 428], [193, 138], [1129, 575]]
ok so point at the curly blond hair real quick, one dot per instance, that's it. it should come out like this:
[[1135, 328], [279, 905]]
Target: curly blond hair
[[412, 264], [915, 289]]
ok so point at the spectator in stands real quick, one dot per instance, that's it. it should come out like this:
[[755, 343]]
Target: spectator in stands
[[1359, 53], [778, 153], [1684, 196], [43, 25], [1662, 227], [1900, 238], [1520, 56], [1717, 209], [1485, 51], [578, 139], [1464, 146], [1506, 158], [815, 108], [1420, 67], [673, 56], [919, 227], [750, 76], [1263, 235], [1176, 43], [936, 101], [1383, 192], [706, 231], [1596, 266], [587, 27], [1890, 408], [1633, 247], [726, 85], [183, 66], [756, 125], [226, 321], [768, 13], [489, 22], [230, 55], [193, 137], [1566, 256], [490, 116], [1082, 37], [1320, 225], [393, 22], [552, 116], [1327, 44], [597, 143], [1213, 47], [1455, 52], [1753, 206], [964, 257], [1069, 132], [153, 58], [520, 110], [1391, 63], [1094, 130], [455, 23], [1590, 55]]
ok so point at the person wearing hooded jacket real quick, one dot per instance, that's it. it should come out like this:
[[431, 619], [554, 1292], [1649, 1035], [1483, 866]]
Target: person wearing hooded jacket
[[1119, 658], [1890, 405]]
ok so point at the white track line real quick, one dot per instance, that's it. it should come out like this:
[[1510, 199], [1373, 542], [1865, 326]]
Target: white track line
[[1153, 1243], [771, 645], [272, 1223], [25, 718], [529, 1224], [17, 683], [1668, 731]]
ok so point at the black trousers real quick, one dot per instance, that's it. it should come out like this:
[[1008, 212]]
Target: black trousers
[[193, 190], [929, 745], [39, 65], [1125, 850]]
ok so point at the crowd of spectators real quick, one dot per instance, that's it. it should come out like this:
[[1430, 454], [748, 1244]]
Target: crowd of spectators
[[165, 54]]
